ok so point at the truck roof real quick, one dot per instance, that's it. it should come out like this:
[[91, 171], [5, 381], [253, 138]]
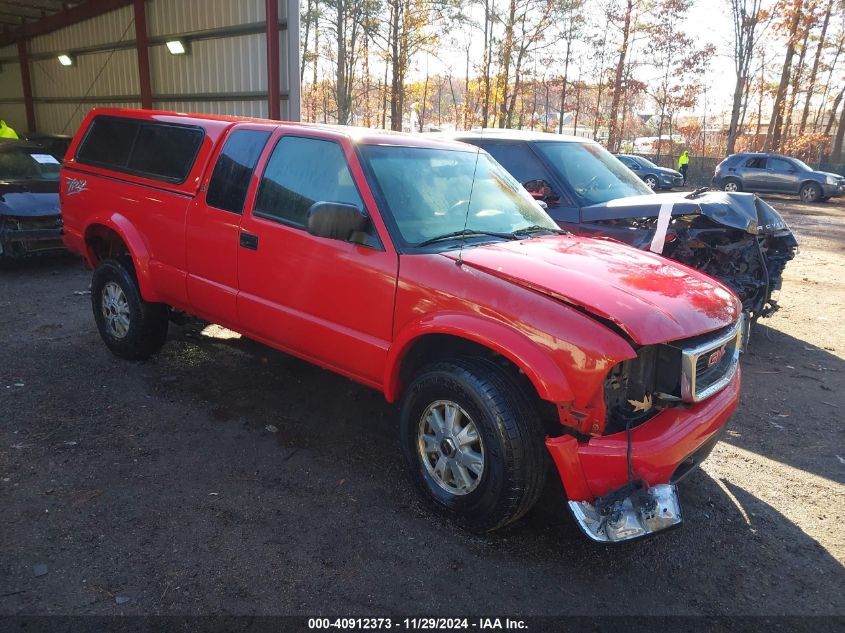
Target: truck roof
[[358, 135]]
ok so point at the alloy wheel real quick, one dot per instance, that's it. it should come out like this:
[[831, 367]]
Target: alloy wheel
[[115, 309], [450, 447]]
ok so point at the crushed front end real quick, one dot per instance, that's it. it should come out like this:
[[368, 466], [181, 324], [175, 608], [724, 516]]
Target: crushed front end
[[735, 237], [666, 410], [30, 235]]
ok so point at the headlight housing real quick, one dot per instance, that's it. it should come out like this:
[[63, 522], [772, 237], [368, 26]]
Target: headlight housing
[[830, 180]]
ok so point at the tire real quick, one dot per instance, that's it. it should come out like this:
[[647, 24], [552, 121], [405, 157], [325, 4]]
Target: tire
[[651, 181], [508, 439], [810, 192], [135, 329], [731, 185]]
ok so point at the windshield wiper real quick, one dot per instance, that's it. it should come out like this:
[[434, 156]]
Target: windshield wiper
[[466, 233], [536, 228]]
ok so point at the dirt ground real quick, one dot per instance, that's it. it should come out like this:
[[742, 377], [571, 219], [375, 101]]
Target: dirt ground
[[223, 477]]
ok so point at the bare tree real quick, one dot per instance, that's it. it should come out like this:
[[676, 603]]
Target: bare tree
[[792, 15], [746, 16], [814, 72], [627, 19]]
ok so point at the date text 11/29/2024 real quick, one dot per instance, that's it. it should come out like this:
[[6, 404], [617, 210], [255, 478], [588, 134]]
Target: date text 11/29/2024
[[418, 624]]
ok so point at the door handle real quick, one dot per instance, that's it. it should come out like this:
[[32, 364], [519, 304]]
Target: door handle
[[250, 241]]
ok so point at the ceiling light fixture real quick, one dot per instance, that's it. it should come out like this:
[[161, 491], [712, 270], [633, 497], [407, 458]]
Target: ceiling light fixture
[[176, 47], [65, 60]]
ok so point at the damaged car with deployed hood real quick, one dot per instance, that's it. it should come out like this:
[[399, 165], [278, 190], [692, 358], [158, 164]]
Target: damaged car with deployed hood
[[30, 221], [422, 269], [735, 237]]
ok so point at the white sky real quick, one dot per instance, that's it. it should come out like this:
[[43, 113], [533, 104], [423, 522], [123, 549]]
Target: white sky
[[708, 22]]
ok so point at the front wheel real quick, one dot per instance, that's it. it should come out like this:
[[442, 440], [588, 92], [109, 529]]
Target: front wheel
[[473, 442], [131, 328], [810, 192], [651, 181]]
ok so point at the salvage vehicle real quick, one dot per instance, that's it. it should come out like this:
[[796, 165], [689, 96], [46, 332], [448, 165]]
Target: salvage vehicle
[[420, 268], [737, 238], [30, 220], [775, 173], [56, 144], [654, 176]]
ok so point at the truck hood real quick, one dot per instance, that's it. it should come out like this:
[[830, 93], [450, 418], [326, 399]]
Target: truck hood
[[650, 298], [29, 198], [743, 211]]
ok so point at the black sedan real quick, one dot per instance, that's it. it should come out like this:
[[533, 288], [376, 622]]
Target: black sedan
[[654, 176], [30, 219]]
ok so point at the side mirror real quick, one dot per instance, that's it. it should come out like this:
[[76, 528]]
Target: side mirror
[[542, 191], [337, 221]]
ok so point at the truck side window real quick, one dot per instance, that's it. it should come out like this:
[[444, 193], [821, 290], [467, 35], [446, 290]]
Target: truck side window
[[166, 152], [108, 141], [233, 171], [300, 172], [160, 151]]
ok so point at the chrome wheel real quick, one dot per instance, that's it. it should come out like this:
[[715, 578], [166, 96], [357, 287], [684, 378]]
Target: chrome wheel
[[731, 186], [651, 182], [115, 309], [450, 447]]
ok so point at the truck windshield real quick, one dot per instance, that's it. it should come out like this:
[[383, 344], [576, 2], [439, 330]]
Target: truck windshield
[[431, 194], [592, 172], [28, 164]]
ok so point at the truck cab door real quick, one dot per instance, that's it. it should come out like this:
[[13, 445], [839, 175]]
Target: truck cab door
[[326, 300], [213, 225]]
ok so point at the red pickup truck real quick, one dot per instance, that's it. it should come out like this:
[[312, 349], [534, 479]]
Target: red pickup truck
[[421, 268]]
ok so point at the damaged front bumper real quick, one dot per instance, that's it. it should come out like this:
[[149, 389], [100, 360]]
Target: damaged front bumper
[[22, 236], [664, 449], [642, 513]]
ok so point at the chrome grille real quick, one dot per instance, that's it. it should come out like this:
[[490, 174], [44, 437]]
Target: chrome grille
[[710, 365]]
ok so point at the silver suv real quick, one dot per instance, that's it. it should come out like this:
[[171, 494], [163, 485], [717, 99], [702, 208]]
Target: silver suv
[[774, 173]]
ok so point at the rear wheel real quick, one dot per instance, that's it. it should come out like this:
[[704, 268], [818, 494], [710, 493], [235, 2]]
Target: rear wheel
[[732, 185], [651, 181], [473, 442], [130, 327], [810, 192]]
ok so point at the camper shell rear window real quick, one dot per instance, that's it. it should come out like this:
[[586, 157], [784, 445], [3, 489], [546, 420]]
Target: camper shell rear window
[[159, 151]]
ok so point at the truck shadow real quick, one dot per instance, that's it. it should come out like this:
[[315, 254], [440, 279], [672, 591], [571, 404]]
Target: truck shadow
[[344, 437], [793, 399]]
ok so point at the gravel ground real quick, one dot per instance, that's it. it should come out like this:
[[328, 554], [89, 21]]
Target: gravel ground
[[223, 477]]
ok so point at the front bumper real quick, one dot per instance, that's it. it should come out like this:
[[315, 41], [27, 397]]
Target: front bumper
[[21, 236], [663, 449], [832, 191], [668, 182]]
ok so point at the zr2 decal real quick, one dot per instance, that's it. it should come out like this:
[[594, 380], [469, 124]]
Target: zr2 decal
[[75, 186]]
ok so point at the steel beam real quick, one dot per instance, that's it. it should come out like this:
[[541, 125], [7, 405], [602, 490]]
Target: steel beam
[[142, 50], [26, 83], [67, 17], [274, 96]]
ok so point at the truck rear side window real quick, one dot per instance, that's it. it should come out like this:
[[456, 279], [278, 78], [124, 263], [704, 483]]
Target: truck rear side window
[[300, 172], [233, 171], [161, 151]]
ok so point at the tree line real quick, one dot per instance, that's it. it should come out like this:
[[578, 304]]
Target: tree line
[[613, 70]]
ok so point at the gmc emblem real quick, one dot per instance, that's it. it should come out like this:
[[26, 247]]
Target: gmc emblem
[[715, 357]]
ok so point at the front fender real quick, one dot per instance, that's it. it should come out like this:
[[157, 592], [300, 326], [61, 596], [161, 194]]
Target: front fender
[[541, 370]]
